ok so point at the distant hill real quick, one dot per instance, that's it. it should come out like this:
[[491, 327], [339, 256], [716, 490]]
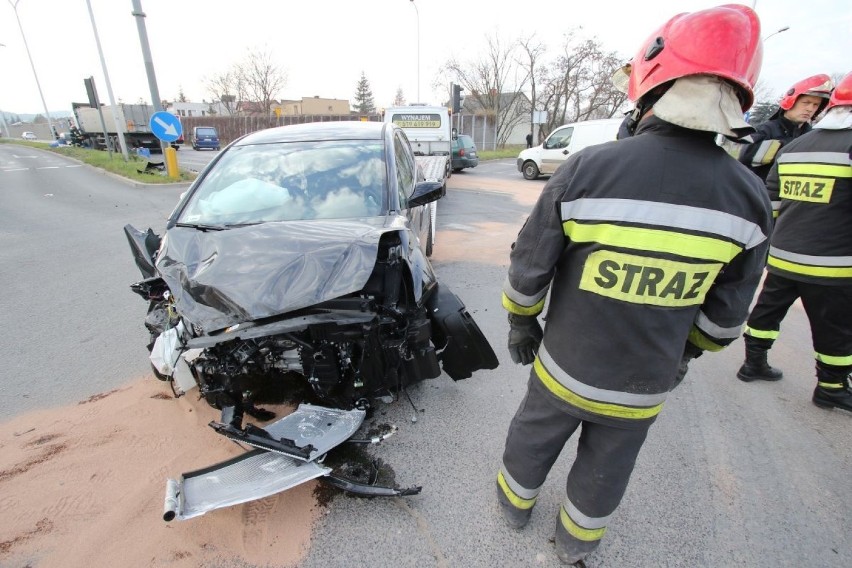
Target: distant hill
[[30, 116]]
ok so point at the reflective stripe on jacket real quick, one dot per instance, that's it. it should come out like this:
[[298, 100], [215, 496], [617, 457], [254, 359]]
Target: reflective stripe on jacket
[[641, 244], [763, 147], [812, 240]]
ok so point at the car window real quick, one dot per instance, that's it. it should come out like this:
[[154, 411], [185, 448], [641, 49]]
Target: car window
[[559, 139], [205, 132], [466, 141], [405, 169], [291, 181]]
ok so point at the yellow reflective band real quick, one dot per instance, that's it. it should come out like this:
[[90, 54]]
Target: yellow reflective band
[[578, 532], [656, 240], [823, 170], [520, 310], [761, 333], [600, 408], [836, 360], [513, 498], [765, 153], [644, 280], [808, 270], [700, 340], [801, 188], [833, 386]]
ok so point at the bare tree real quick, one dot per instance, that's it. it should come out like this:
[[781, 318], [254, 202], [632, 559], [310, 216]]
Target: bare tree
[[262, 79], [578, 86], [532, 52], [227, 88], [495, 84]]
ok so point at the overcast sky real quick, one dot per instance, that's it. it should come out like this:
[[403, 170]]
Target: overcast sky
[[324, 45]]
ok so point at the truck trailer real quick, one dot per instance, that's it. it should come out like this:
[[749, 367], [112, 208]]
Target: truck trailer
[[429, 131], [134, 120]]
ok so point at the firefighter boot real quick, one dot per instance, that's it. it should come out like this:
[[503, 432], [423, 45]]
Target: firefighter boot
[[569, 550], [756, 367], [516, 517], [832, 391]]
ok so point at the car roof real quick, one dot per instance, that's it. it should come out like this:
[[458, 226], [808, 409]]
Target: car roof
[[315, 131]]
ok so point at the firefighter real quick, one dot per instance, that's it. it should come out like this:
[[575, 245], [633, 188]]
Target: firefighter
[[810, 256], [649, 249], [800, 104]]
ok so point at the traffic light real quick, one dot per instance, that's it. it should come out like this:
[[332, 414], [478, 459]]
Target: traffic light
[[458, 98]]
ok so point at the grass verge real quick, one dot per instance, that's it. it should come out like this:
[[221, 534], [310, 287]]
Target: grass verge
[[115, 164], [510, 151]]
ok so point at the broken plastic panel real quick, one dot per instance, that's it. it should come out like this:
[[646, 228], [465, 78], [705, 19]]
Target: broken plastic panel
[[306, 434], [253, 475]]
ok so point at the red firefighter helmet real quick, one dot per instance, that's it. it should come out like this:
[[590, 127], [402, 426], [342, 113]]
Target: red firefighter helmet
[[722, 41], [818, 86], [842, 94]]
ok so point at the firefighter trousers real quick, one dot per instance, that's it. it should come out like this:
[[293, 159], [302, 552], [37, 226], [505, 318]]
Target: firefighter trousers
[[829, 311], [599, 475]]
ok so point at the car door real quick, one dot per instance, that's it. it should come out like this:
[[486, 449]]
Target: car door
[[555, 149], [408, 174]]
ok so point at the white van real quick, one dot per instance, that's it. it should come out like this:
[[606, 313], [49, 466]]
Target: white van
[[564, 141]]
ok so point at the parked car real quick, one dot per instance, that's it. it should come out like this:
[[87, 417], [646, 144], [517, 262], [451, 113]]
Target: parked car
[[564, 141], [29, 136], [204, 137], [464, 153]]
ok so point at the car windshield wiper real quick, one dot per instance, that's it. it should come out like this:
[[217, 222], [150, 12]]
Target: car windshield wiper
[[237, 225], [200, 226]]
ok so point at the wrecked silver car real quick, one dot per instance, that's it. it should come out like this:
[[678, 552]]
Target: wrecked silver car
[[299, 257]]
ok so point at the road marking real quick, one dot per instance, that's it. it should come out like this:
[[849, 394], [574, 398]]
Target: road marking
[[39, 168]]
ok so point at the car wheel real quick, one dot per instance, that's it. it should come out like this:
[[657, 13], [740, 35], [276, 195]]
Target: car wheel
[[530, 170], [194, 147]]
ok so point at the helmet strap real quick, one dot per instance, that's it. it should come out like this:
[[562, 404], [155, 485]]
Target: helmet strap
[[645, 104]]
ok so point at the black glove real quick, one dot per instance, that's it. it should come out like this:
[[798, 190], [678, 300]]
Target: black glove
[[690, 352], [524, 338]]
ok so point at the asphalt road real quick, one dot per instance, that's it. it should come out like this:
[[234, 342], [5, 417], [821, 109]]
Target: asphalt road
[[733, 474]]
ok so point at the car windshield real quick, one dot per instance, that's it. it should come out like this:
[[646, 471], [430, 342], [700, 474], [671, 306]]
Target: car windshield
[[206, 132], [291, 181]]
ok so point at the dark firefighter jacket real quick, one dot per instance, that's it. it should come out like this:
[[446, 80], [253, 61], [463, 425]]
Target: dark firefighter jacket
[[642, 243], [762, 147], [812, 239]]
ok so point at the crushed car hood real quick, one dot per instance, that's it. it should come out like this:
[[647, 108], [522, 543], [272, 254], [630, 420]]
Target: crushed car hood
[[223, 277]]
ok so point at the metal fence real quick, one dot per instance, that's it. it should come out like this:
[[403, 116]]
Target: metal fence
[[230, 128], [480, 127]]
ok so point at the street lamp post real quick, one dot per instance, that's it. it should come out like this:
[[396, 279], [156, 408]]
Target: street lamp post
[[418, 50], [14, 6]]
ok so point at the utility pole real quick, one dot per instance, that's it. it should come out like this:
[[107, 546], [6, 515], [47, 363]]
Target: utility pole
[[119, 127], [14, 6], [149, 64]]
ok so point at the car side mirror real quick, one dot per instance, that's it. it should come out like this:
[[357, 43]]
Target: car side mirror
[[426, 192], [455, 134]]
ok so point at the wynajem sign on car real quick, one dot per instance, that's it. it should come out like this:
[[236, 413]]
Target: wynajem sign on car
[[166, 126]]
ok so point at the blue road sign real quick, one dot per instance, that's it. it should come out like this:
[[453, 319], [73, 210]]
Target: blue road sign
[[166, 126]]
